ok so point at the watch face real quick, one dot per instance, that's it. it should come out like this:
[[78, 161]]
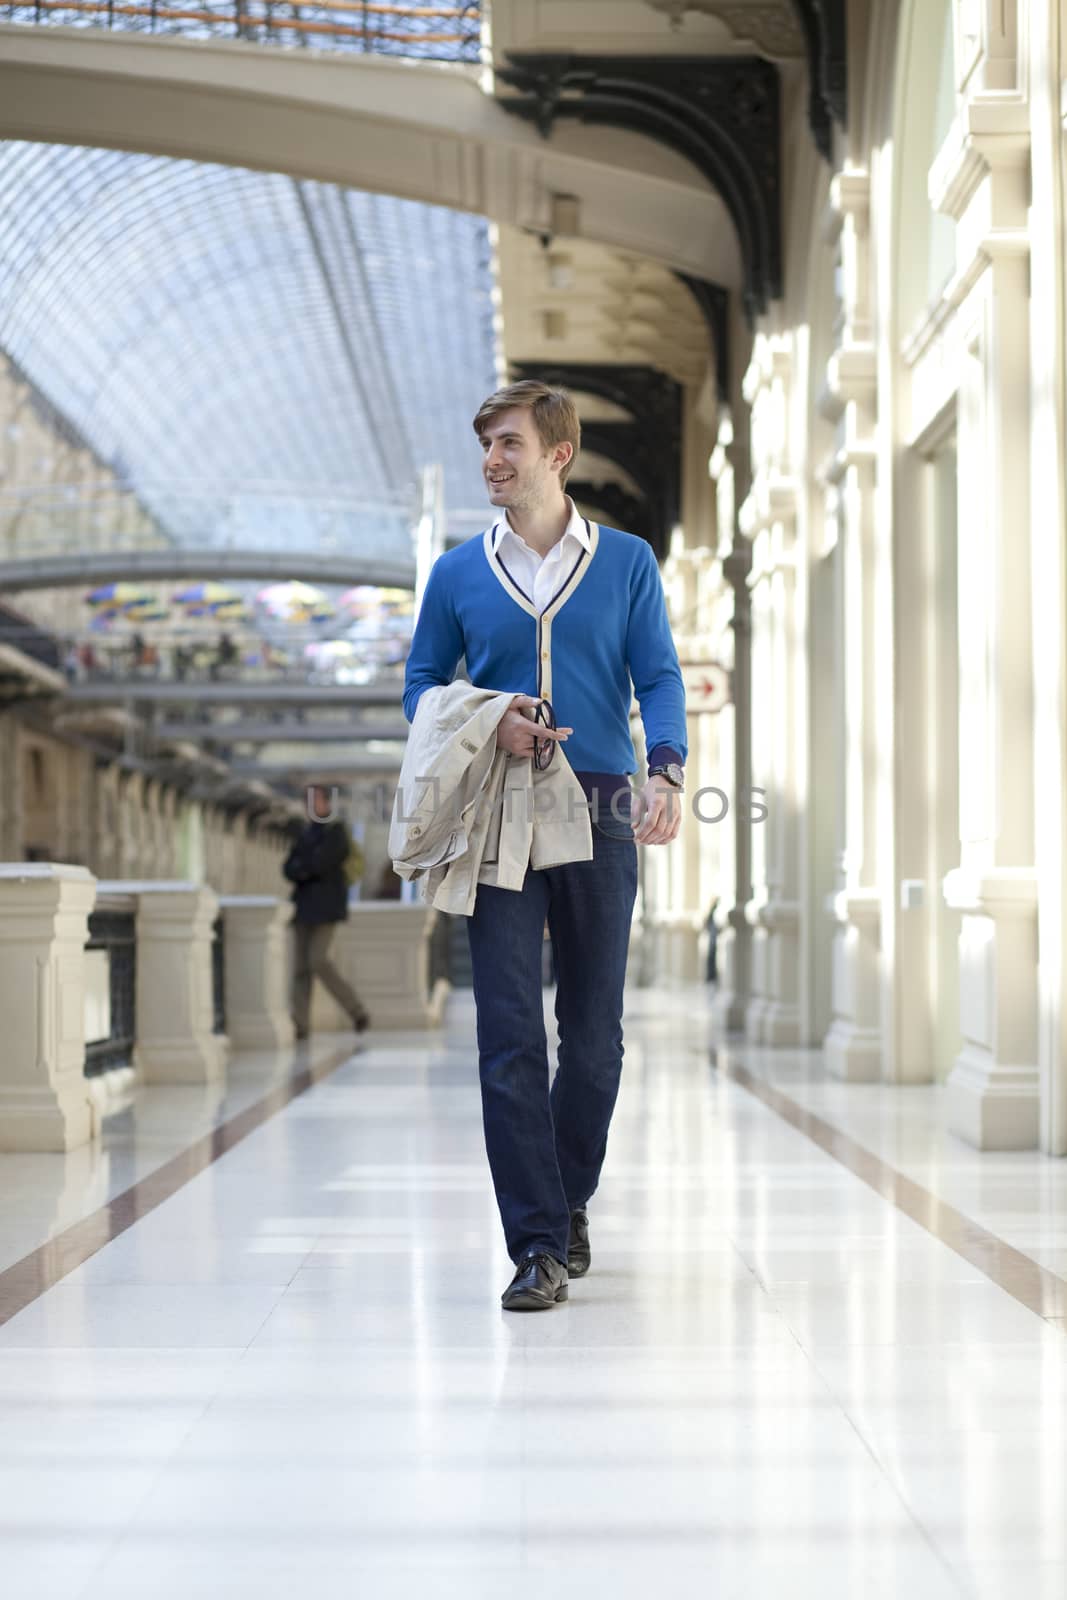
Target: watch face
[[675, 774]]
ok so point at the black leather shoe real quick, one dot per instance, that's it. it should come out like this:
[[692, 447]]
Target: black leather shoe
[[540, 1282], [578, 1252]]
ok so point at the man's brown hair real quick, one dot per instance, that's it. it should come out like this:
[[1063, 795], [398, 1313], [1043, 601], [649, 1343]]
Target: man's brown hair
[[554, 413]]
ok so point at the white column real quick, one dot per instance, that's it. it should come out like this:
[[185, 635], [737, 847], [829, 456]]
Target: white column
[[854, 1045], [679, 916], [769, 519], [1048, 504], [982, 180], [175, 923], [44, 920], [257, 970], [731, 629]]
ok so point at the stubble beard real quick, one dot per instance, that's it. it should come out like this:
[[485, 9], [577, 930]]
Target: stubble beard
[[527, 494]]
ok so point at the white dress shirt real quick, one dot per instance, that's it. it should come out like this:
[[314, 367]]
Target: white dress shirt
[[541, 577]]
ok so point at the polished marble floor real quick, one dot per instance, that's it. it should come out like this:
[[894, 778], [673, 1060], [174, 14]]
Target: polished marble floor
[[293, 1375]]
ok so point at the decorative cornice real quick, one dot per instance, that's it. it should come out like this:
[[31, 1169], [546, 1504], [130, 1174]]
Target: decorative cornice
[[850, 193], [772, 502], [720, 113], [770, 26], [852, 372], [992, 891], [988, 135]]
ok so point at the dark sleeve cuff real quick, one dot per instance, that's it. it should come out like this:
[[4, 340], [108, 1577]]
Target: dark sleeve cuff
[[661, 755]]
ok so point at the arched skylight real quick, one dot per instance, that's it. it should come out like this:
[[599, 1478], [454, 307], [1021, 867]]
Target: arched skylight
[[264, 360]]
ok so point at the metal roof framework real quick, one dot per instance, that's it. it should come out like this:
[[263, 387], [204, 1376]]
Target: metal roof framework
[[264, 361]]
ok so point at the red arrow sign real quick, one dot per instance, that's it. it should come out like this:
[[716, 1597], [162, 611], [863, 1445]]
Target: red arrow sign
[[707, 685]]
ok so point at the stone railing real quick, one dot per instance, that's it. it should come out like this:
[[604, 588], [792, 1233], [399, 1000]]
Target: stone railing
[[131, 979]]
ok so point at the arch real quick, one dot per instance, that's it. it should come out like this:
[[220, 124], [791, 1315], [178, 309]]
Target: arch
[[648, 446], [721, 115], [374, 123]]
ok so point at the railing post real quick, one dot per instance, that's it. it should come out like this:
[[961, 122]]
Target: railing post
[[257, 971], [175, 1041], [44, 919]]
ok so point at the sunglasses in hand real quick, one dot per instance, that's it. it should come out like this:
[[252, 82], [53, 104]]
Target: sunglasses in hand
[[544, 749]]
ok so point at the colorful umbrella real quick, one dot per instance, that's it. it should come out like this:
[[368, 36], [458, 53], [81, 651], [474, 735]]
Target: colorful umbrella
[[116, 595], [360, 601], [207, 596], [332, 649], [295, 602], [147, 613], [365, 601], [401, 602]]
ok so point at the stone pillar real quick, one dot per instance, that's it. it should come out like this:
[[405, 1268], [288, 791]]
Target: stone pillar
[[769, 520], [44, 919], [982, 180], [257, 970], [175, 923], [854, 1045]]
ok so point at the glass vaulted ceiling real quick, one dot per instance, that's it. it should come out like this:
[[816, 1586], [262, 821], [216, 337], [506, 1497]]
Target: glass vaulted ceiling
[[263, 360]]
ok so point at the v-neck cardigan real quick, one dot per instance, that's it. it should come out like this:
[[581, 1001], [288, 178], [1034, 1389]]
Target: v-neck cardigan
[[605, 628]]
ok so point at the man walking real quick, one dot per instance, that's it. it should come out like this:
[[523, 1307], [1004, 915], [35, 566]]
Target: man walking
[[316, 867], [566, 615]]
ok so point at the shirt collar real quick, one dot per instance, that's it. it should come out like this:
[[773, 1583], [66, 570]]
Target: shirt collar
[[577, 528]]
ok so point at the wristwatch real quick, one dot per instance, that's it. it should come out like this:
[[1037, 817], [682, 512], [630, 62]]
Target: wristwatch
[[674, 774]]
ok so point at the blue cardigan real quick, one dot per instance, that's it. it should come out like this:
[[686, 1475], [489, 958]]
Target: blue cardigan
[[605, 626]]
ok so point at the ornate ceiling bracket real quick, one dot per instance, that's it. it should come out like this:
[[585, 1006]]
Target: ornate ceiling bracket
[[721, 113], [714, 303], [825, 31], [624, 510], [626, 445], [648, 448]]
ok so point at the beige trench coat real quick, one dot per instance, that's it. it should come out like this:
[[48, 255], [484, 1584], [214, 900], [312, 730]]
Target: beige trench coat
[[467, 812]]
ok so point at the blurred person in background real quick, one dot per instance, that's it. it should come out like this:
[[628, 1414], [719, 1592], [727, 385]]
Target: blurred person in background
[[316, 867]]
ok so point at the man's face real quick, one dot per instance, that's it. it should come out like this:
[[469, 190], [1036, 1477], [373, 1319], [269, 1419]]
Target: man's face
[[519, 471], [319, 801]]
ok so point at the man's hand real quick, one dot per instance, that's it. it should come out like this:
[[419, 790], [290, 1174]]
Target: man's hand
[[516, 731], [657, 812]]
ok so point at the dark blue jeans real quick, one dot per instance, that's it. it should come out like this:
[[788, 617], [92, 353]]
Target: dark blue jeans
[[546, 1147]]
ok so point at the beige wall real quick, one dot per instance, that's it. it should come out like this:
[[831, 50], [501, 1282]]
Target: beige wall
[[56, 801]]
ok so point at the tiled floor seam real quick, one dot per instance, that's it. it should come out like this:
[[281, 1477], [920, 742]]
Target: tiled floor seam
[[1029, 1283], [26, 1280]]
